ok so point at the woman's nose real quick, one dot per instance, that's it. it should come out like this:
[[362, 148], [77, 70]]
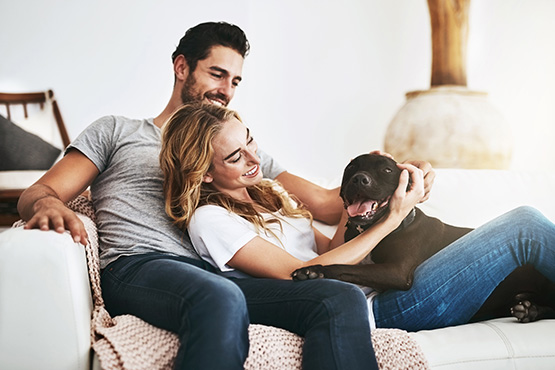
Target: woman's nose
[[252, 156]]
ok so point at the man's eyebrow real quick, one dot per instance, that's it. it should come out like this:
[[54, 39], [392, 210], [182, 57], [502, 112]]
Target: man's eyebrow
[[237, 150], [225, 72]]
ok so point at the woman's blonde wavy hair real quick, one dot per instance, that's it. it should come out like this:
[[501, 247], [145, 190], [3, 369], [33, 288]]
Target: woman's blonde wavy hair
[[186, 156]]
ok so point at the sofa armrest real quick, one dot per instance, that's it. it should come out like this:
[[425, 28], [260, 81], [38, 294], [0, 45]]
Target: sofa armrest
[[45, 301]]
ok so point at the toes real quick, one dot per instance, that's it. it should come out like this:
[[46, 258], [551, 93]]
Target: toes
[[524, 311], [519, 312], [306, 274], [315, 275], [298, 275]]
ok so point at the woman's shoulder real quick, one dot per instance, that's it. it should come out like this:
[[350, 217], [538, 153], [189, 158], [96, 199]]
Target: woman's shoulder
[[213, 214], [210, 209], [208, 219]]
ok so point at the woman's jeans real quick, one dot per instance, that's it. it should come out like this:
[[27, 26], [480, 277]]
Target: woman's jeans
[[452, 285], [211, 314]]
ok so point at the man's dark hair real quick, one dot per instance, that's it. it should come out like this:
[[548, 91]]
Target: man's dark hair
[[198, 41]]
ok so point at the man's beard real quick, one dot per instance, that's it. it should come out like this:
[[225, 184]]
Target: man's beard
[[189, 94]]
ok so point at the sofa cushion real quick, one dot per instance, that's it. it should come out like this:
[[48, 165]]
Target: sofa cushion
[[493, 345], [21, 150]]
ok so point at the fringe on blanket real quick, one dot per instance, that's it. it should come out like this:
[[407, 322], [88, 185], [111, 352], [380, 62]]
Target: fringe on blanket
[[128, 343]]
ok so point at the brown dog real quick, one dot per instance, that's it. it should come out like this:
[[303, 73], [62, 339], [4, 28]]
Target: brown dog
[[368, 183]]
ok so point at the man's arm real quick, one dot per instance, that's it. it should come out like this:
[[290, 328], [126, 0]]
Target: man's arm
[[325, 204], [42, 205]]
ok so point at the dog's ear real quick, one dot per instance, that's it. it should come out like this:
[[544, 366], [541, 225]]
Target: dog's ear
[[345, 176]]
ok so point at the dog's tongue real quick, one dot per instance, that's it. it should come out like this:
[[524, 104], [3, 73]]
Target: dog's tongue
[[360, 208]]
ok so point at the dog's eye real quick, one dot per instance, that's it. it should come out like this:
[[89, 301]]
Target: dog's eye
[[387, 170]]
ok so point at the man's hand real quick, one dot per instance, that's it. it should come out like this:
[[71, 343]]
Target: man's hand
[[42, 205], [429, 176], [50, 213]]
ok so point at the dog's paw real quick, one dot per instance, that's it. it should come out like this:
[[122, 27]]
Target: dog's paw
[[528, 311], [525, 311], [309, 273]]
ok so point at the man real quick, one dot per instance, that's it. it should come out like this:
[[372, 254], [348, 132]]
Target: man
[[149, 268]]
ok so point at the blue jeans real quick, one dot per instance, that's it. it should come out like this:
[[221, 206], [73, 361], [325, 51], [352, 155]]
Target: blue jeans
[[331, 315], [211, 314], [207, 312], [452, 285]]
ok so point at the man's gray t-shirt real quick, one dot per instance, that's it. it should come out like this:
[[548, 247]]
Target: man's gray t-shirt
[[128, 192]]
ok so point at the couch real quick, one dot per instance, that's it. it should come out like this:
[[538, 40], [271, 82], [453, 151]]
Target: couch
[[48, 294]]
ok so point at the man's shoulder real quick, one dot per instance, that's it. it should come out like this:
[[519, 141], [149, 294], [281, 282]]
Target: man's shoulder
[[122, 120], [120, 126]]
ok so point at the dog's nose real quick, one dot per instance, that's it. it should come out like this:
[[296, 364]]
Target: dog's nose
[[360, 179]]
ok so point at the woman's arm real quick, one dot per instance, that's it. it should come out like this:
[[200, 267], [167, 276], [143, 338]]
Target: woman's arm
[[261, 258]]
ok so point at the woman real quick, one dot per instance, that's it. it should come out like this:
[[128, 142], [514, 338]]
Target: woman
[[246, 226], [332, 316]]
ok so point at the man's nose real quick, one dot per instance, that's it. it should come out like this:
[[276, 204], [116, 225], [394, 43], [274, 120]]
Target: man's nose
[[227, 89]]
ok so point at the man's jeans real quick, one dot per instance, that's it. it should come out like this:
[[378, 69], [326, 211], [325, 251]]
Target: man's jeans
[[211, 314]]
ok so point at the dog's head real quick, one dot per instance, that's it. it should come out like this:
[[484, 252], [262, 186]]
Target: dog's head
[[368, 183]]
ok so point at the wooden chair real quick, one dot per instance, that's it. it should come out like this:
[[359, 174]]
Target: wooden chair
[[19, 105]]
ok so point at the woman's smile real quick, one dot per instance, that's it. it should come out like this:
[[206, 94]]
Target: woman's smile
[[253, 172]]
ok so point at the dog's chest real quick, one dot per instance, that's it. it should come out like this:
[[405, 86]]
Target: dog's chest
[[380, 253]]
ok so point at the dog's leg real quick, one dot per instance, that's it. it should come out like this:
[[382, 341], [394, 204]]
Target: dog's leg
[[378, 276], [539, 290]]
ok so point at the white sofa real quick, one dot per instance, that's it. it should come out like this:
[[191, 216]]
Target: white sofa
[[46, 305]]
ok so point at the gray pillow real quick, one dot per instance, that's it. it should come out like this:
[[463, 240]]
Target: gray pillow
[[21, 150]]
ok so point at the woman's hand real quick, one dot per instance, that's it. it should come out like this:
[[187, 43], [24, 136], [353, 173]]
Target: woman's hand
[[426, 167], [404, 200]]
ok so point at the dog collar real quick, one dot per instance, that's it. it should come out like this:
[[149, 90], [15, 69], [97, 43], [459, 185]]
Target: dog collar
[[407, 221]]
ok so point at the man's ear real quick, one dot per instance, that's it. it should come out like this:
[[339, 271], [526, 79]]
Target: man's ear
[[180, 68], [207, 178]]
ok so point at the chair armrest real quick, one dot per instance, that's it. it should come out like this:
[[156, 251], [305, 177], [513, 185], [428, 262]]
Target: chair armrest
[[45, 301]]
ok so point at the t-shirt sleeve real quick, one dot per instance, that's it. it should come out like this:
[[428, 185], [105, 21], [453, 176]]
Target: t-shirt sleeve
[[97, 141], [218, 234], [270, 168]]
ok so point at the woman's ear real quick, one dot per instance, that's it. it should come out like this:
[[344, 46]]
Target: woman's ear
[[207, 178]]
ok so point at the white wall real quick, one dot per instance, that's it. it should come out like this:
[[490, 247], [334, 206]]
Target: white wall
[[321, 83]]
